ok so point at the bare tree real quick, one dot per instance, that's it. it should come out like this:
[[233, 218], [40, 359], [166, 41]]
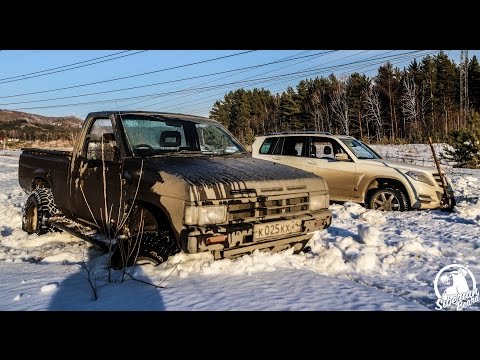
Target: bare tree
[[340, 107], [410, 106], [318, 107], [373, 115], [423, 106]]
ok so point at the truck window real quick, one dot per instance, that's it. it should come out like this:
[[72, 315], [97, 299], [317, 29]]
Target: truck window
[[155, 136], [101, 132]]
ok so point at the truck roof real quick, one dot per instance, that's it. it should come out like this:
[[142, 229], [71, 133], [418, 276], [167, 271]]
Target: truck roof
[[149, 113]]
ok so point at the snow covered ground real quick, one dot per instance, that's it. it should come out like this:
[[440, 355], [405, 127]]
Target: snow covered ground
[[367, 260]]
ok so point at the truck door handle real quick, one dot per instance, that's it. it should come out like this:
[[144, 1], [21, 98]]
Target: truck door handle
[[275, 158], [311, 162]]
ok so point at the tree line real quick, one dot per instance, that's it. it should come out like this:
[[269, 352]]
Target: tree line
[[393, 106]]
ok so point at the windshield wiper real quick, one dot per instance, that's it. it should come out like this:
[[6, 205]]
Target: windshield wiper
[[180, 153]]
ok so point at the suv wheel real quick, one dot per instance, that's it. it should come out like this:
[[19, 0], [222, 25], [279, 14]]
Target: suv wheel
[[388, 199]]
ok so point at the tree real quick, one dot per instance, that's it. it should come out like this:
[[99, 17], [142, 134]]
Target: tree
[[290, 111], [373, 114], [355, 86], [419, 101], [388, 81], [410, 106], [474, 84], [466, 148], [340, 107]]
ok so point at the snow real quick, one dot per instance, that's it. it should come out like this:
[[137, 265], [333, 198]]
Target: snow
[[366, 260], [49, 288]]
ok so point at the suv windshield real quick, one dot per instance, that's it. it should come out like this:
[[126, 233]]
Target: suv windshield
[[148, 135], [361, 150]]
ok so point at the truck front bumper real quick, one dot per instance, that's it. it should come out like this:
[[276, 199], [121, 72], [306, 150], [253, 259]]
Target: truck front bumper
[[238, 239]]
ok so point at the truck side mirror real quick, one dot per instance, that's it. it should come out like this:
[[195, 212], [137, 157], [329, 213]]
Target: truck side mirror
[[110, 151], [341, 157]]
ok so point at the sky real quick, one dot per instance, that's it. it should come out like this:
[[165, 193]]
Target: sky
[[76, 82]]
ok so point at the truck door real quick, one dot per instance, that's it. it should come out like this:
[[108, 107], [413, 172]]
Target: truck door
[[95, 177]]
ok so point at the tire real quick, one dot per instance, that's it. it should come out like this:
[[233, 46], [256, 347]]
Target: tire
[[388, 199], [38, 208], [155, 245]]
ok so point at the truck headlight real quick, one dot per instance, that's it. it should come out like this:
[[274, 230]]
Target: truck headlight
[[205, 215], [419, 176], [318, 202]]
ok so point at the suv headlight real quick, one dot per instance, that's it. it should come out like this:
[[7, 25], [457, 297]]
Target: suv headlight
[[318, 202], [449, 183], [205, 215], [420, 176]]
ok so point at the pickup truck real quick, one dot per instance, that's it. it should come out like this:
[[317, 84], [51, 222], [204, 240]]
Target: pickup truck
[[147, 185]]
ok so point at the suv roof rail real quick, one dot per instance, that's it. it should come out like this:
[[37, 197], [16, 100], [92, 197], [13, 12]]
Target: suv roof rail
[[299, 132]]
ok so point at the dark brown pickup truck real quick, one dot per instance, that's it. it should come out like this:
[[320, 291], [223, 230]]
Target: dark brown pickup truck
[[152, 184]]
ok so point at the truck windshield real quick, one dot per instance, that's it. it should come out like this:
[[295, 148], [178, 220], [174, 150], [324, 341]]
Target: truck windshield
[[361, 150], [153, 136]]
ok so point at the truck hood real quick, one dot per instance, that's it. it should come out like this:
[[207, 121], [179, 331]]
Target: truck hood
[[398, 165], [224, 177], [224, 169]]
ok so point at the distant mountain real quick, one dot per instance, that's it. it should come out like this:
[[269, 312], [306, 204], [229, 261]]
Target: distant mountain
[[21, 126], [39, 120]]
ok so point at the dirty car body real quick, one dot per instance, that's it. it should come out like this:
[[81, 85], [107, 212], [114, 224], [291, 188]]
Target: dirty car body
[[189, 174]]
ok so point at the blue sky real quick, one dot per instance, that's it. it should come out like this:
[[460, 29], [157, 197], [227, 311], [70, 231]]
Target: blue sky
[[20, 70]]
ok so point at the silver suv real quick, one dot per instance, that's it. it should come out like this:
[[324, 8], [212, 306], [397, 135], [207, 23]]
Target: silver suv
[[355, 172]]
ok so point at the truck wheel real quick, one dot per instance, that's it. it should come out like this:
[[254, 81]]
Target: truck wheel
[[38, 208], [388, 199], [154, 248], [155, 245]]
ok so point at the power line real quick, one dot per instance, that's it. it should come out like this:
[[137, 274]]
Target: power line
[[130, 76], [283, 67], [224, 77], [159, 83], [64, 66], [316, 67], [293, 74], [72, 68], [367, 67]]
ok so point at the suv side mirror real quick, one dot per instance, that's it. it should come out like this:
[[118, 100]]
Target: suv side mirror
[[341, 157]]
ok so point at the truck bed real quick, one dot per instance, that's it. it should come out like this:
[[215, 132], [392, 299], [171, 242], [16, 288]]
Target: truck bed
[[49, 166], [62, 152]]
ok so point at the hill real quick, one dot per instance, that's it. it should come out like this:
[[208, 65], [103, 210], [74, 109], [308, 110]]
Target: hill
[[64, 121], [24, 126]]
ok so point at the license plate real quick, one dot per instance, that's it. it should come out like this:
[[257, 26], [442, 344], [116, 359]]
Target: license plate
[[262, 231]]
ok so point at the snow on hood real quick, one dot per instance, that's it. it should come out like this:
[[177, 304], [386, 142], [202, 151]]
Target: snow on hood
[[397, 165]]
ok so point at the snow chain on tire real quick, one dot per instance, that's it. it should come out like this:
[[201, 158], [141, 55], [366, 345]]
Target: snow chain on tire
[[42, 199]]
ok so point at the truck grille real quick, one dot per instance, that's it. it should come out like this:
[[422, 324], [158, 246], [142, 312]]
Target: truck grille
[[273, 206], [438, 179]]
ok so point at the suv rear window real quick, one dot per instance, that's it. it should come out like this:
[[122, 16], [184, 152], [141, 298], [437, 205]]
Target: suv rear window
[[268, 145]]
